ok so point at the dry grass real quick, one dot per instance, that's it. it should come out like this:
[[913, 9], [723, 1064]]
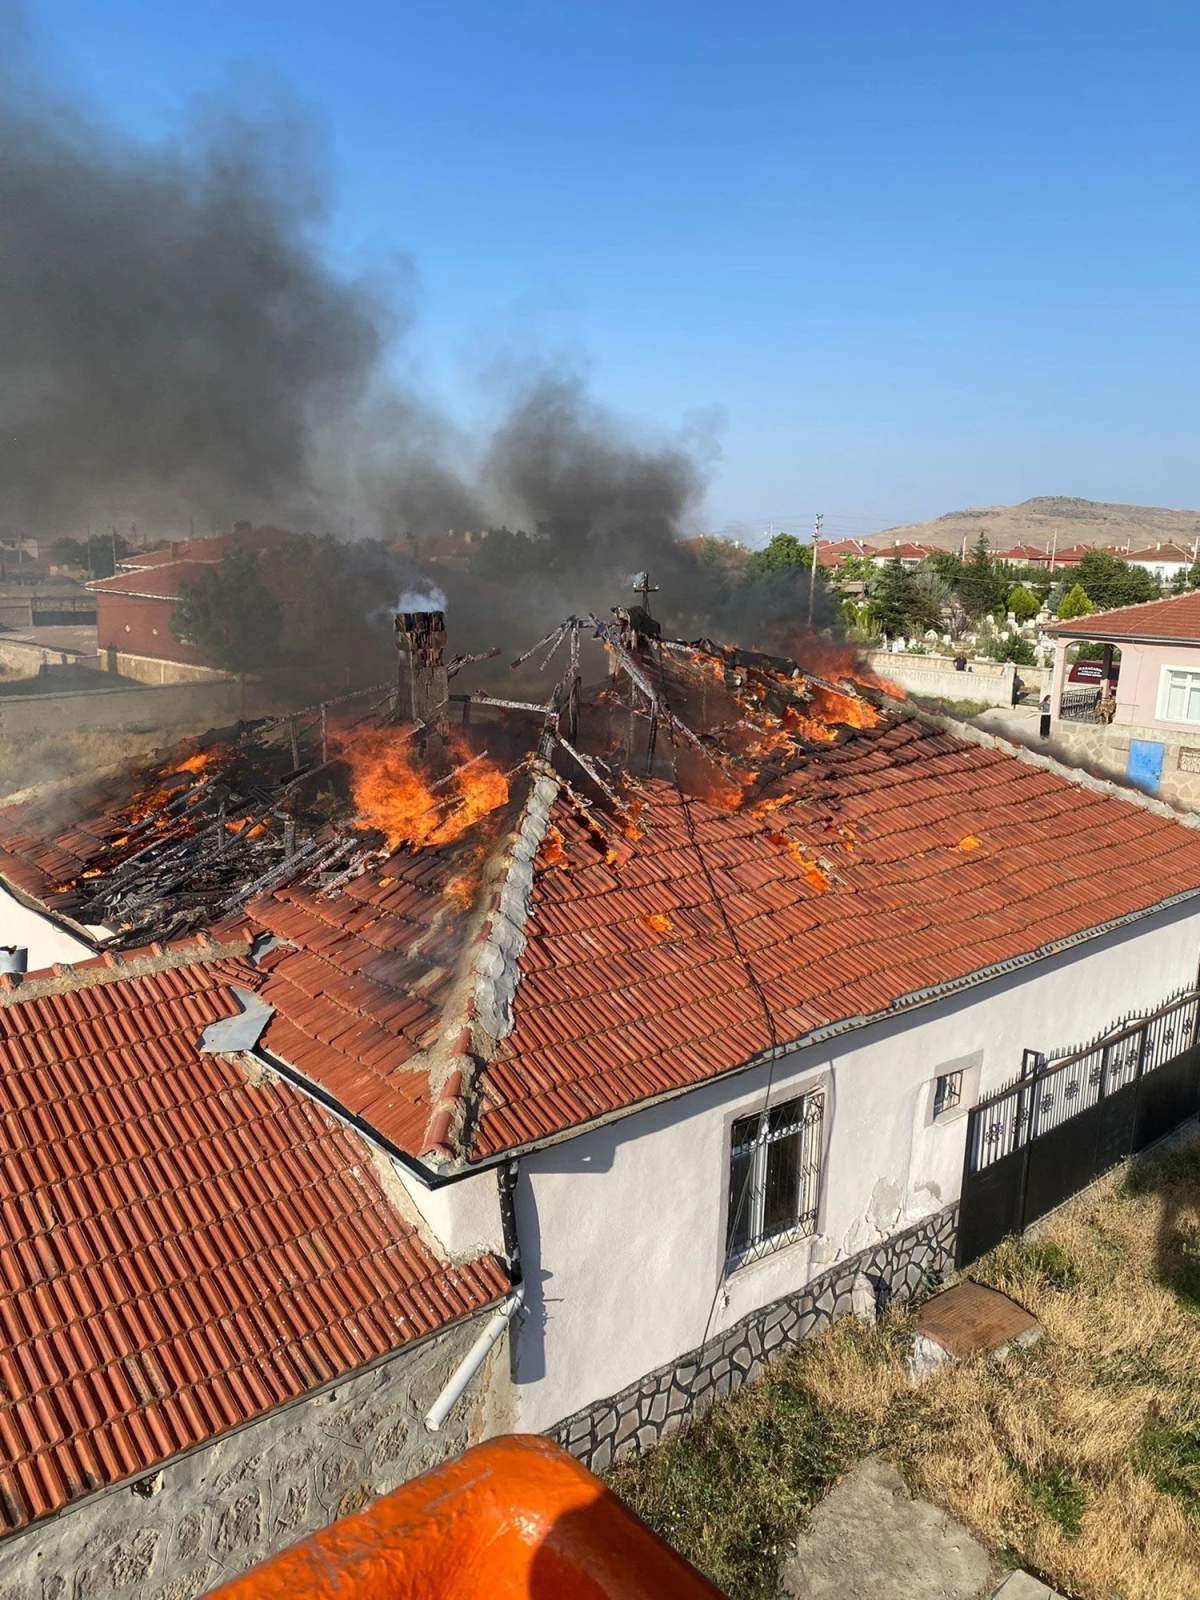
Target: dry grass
[[1079, 1458]]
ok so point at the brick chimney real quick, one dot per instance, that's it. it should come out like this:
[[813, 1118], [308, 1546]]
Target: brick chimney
[[422, 686]]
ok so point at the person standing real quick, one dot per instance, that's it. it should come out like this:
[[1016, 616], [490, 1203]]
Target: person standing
[[1045, 729]]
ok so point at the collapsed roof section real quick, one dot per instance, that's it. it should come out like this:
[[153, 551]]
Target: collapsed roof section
[[496, 927]]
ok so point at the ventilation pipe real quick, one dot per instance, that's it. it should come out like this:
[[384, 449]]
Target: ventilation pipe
[[14, 958]]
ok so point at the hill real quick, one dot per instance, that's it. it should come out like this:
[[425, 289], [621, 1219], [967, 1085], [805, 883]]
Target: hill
[[1039, 521]]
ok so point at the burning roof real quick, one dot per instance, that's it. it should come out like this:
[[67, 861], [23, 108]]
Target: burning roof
[[496, 922]]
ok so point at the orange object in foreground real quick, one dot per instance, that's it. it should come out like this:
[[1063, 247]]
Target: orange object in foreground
[[513, 1517]]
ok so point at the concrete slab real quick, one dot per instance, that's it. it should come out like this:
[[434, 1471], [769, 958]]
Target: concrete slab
[[1021, 1586], [870, 1541]]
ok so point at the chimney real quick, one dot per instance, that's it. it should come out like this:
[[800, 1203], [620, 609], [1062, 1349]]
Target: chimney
[[422, 687]]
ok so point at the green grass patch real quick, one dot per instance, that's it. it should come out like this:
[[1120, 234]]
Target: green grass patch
[[1057, 1496], [1169, 1455], [733, 1490], [1041, 1260]]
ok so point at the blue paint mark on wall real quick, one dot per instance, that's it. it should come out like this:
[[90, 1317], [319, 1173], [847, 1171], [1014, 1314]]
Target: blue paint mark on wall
[[1145, 764]]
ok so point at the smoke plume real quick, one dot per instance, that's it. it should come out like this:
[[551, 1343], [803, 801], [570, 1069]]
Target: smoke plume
[[175, 350]]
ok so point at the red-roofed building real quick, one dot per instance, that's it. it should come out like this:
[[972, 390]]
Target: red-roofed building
[[706, 1067], [1144, 722], [910, 554], [205, 1275], [1025, 555], [833, 552]]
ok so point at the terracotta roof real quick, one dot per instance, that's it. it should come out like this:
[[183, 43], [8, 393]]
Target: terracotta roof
[[180, 1249], [360, 987], [1175, 619], [207, 550], [907, 859], [907, 552], [155, 583], [1163, 552], [1023, 552]]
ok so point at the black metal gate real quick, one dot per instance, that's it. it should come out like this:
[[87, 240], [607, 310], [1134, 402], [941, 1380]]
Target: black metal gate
[[1049, 1133]]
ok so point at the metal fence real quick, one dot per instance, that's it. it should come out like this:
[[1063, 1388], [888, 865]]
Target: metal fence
[[1078, 705], [1059, 1124]]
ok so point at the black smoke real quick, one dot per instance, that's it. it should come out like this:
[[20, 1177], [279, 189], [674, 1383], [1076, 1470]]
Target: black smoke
[[176, 351]]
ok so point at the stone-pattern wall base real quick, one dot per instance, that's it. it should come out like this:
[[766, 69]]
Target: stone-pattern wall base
[[206, 1516], [1104, 749], [648, 1411]]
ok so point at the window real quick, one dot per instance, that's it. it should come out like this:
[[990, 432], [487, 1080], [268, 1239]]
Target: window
[[947, 1094], [774, 1174], [1179, 695]]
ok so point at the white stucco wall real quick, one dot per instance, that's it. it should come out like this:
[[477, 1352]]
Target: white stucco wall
[[623, 1229], [45, 940]]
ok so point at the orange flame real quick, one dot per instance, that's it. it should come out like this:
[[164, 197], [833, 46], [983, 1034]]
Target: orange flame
[[393, 794], [810, 870], [658, 922], [830, 660], [202, 761]]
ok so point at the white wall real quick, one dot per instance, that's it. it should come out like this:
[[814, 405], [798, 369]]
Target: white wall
[[44, 939], [623, 1229]]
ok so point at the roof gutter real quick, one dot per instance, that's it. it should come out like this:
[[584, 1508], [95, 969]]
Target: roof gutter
[[912, 1001]]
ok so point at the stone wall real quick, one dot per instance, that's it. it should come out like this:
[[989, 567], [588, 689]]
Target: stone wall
[[178, 708], [154, 669], [646, 1412], [1104, 749], [207, 1515]]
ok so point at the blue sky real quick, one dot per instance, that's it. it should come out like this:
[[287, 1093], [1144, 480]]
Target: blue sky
[[904, 258]]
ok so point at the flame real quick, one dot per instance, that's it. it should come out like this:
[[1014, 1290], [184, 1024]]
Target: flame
[[658, 922], [810, 870], [393, 794], [969, 843], [202, 761], [553, 853], [846, 708], [830, 660]]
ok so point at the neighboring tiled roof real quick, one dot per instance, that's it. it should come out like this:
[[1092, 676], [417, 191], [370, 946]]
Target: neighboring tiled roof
[[155, 583], [1175, 619], [908, 859], [907, 552], [1023, 552], [207, 550], [180, 1249], [1163, 552]]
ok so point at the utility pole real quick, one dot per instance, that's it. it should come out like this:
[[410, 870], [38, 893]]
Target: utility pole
[[812, 571]]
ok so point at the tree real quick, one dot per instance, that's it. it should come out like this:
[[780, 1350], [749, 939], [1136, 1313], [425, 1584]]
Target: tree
[[979, 585], [1108, 581], [229, 615], [854, 569], [1022, 604], [94, 553], [1074, 604], [897, 604], [784, 550]]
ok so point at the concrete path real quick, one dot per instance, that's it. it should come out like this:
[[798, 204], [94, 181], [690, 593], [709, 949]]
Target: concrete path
[[870, 1541]]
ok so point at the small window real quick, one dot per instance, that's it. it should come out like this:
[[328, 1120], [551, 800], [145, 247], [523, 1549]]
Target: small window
[[947, 1094], [774, 1177], [1179, 695]]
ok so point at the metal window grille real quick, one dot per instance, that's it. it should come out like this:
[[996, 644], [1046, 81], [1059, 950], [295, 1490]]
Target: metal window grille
[[948, 1093], [774, 1177]]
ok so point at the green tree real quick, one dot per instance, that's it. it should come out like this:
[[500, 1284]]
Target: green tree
[[1074, 604], [94, 553], [854, 569], [229, 615], [1022, 604], [784, 550], [1108, 581], [980, 587], [897, 603]]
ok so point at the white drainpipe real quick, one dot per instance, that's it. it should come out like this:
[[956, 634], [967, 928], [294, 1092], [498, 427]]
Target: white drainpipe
[[474, 1359]]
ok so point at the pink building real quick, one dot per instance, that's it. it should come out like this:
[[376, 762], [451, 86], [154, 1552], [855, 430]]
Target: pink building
[[1144, 725]]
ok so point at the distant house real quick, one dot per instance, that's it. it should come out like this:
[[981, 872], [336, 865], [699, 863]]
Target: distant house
[[1150, 732], [911, 555], [832, 553], [135, 606], [1164, 562], [1024, 555]]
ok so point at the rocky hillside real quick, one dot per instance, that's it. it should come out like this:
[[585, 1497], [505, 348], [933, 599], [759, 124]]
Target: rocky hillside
[[1037, 521]]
